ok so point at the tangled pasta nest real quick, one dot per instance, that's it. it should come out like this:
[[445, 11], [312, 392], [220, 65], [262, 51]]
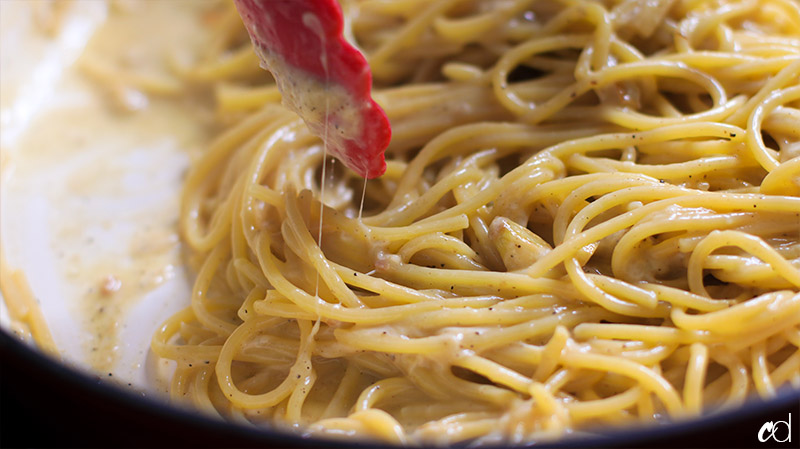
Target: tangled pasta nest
[[590, 217]]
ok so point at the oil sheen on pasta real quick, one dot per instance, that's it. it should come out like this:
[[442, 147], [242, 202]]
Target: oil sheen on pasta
[[590, 218]]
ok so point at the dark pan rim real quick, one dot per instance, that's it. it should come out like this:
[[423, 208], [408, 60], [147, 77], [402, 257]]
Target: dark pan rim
[[33, 363]]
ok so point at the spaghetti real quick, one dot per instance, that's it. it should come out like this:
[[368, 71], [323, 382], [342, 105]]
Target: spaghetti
[[590, 217]]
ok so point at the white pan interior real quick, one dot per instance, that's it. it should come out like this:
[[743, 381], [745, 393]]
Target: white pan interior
[[89, 195]]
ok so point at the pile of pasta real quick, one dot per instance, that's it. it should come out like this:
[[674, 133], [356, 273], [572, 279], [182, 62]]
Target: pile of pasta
[[590, 219]]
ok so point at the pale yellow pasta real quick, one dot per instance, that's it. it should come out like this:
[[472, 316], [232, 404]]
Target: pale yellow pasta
[[590, 218]]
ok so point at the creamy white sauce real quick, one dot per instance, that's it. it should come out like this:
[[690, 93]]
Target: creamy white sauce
[[89, 196], [318, 102]]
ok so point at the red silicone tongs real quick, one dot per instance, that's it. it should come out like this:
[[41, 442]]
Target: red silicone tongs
[[321, 76]]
